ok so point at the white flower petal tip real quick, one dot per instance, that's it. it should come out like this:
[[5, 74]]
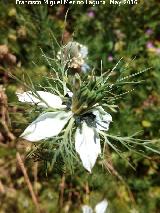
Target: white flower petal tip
[[46, 126], [103, 118], [87, 145], [101, 207], [45, 99], [87, 209], [26, 97]]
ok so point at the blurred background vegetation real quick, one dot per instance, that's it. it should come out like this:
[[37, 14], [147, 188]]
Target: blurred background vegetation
[[110, 32]]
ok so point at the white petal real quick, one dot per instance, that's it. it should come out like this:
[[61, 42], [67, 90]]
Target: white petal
[[46, 125], [70, 94], [103, 118], [87, 144], [87, 209], [83, 51], [85, 67], [49, 99], [101, 207]]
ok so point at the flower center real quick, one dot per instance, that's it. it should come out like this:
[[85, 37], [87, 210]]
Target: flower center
[[68, 102], [89, 118]]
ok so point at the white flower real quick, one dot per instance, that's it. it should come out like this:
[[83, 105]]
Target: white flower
[[99, 208], [87, 209], [76, 54], [50, 124]]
